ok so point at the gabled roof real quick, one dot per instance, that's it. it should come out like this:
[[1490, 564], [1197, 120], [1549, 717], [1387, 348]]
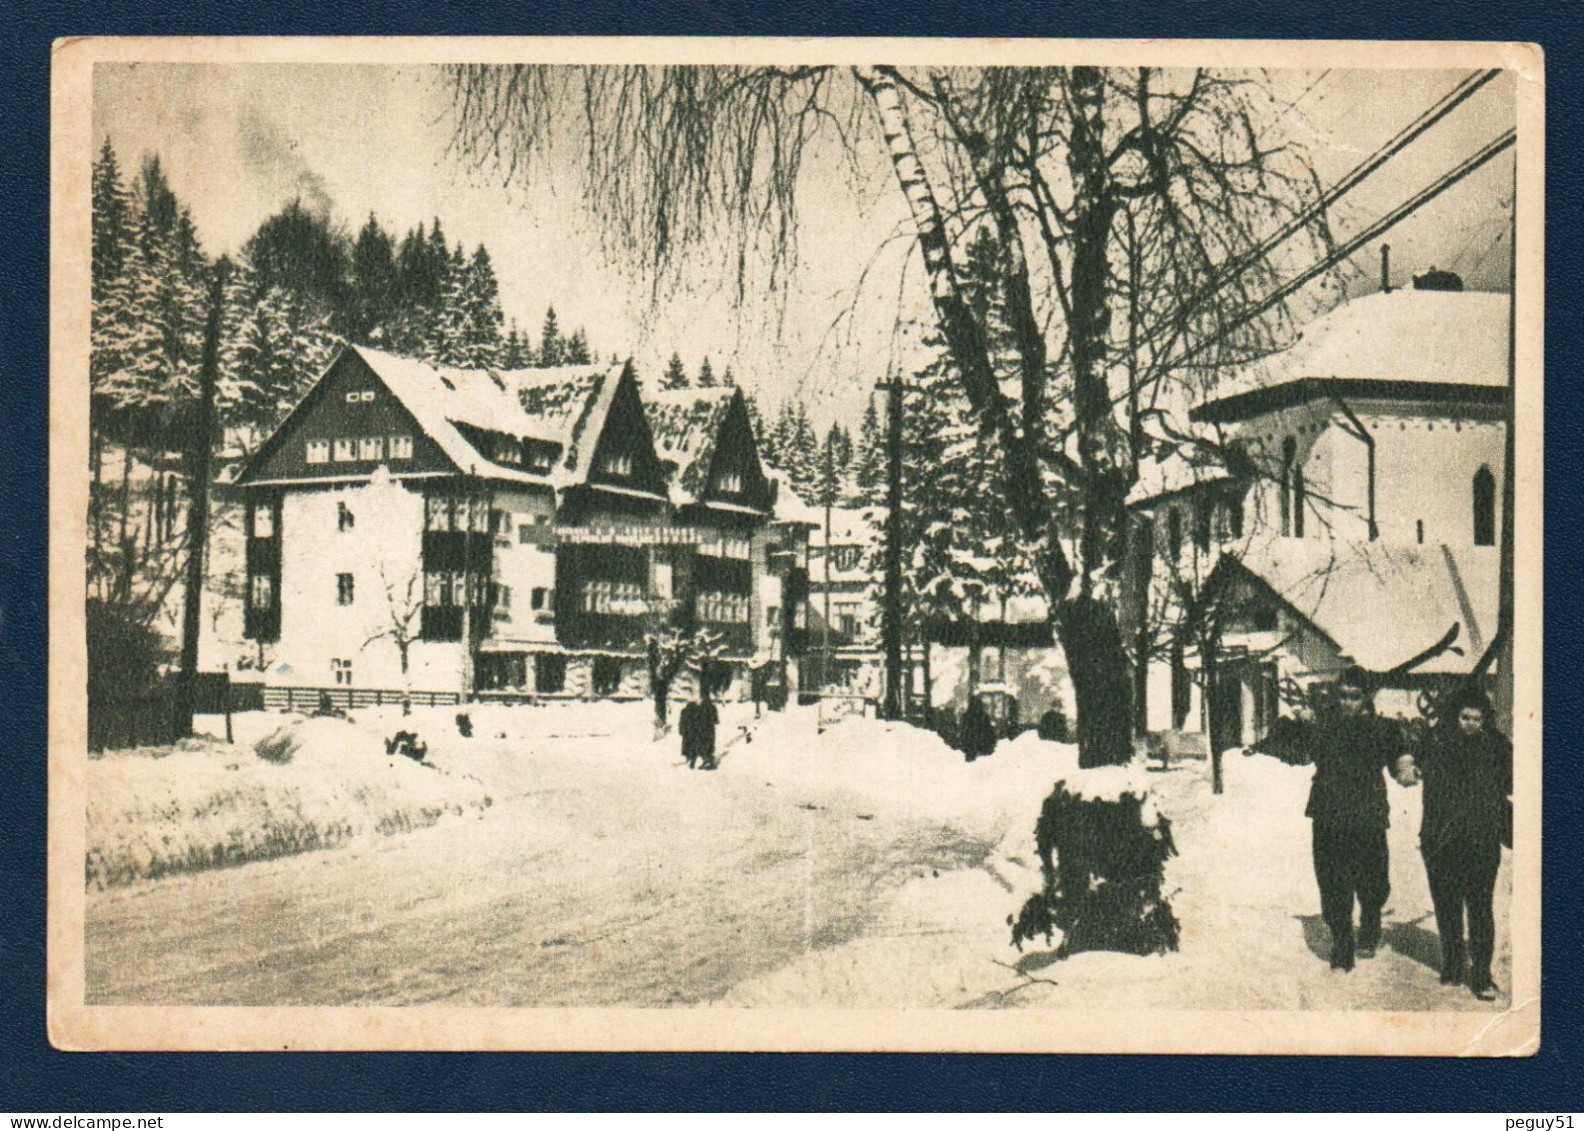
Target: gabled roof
[[565, 406], [686, 424], [1408, 344], [1382, 605]]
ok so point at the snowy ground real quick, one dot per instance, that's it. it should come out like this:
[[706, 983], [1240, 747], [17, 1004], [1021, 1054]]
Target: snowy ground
[[865, 866]]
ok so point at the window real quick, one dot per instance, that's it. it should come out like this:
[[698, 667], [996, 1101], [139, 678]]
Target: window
[[540, 598], [1289, 455], [318, 451], [507, 450], [549, 673], [345, 450], [342, 670], [607, 675], [263, 520], [846, 557], [437, 513], [437, 588], [1484, 507], [725, 546], [371, 447], [1300, 496], [773, 616], [401, 447], [502, 595], [731, 482], [617, 463], [480, 512], [361, 396], [848, 618], [345, 519], [261, 591], [500, 521], [344, 589]]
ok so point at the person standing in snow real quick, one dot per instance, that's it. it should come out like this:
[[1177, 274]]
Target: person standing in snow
[[697, 725], [1352, 748], [1467, 770], [977, 738]]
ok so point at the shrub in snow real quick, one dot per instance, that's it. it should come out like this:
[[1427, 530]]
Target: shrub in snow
[[407, 744], [279, 746], [464, 724], [1103, 848]]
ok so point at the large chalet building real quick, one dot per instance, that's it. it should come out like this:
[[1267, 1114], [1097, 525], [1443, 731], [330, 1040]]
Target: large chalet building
[[1356, 523], [416, 530]]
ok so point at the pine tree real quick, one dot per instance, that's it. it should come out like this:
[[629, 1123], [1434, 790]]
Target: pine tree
[[552, 347], [756, 423], [803, 455], [674, 377], [479, 342], [869, 476], [447, 344], [111, 219], [515, 351], [374, 284], [727, 379], [706, 375], [577, 349]]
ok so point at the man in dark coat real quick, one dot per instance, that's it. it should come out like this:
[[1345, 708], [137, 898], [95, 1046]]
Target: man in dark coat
[[1467, 770], [1352, 748], [977, 738], [697, 725]]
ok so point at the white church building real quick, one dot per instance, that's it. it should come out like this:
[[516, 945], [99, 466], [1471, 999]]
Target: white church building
[[1354, 519]]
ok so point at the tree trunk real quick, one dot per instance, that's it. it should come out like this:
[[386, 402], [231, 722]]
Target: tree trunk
[[1098, 667]]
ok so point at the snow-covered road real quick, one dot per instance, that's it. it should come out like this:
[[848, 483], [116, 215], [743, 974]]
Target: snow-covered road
[[865, 866]]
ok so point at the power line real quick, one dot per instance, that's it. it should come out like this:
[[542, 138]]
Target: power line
[[1464, 90], [1491, 149]]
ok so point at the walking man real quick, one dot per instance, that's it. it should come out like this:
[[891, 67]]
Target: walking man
[[697, 725], [1467, 771], [1352, 748]]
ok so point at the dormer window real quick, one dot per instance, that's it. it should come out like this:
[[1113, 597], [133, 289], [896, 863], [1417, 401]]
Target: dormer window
[[371, 447], [619, 464], [345, 450], [318, 451], [730, 483], [401, 447]]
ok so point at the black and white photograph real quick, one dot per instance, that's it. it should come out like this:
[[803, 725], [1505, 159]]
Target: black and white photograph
[[796, 545]]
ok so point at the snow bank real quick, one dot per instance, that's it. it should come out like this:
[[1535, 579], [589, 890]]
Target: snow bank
[[157, 811]]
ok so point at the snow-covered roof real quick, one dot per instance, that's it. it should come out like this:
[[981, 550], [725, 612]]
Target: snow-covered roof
[[789, 505], [561, 406], [1382, 605], [1409, 343], [686, 426], [1171, 473]]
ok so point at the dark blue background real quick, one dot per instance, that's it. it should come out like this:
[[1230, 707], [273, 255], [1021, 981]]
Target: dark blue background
[[33, 1077]]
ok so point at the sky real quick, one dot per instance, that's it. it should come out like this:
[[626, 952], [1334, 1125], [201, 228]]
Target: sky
[[238, 141]]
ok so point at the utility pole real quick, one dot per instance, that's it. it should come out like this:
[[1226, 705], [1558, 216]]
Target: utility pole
[[891, 611], [198, 456]]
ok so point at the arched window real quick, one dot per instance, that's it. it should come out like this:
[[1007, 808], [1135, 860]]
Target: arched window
[[1289, 454], [1299, 495], [1484, 507]]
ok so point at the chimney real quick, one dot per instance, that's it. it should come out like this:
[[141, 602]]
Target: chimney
[[1385, 268]]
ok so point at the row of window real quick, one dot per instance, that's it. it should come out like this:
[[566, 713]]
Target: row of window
[[355, 449], [725, 546], [842, 557], [723, 608], [621, 598]]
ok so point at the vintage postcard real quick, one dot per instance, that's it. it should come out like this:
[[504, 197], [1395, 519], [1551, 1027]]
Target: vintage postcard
[[796, 545]]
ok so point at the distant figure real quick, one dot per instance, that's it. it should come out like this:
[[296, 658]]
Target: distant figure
[[464, 724], [697, 725], [977, 737], [1053, 725], [1352, 748], [1466, 767]]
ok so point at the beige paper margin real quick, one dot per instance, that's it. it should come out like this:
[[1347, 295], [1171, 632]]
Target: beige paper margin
[[75, 1026]]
